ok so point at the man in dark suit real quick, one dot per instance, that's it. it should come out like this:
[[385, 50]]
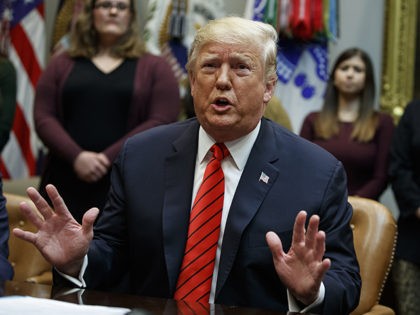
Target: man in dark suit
[[268, 254]]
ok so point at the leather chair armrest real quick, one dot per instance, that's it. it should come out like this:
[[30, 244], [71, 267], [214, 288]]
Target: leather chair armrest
[[380, 310], [44, 278]]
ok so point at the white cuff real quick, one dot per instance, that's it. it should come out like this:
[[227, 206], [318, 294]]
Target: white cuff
[[294, 306], [80, 282]]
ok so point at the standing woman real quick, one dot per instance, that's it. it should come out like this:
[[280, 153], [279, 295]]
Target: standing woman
[[349, 127], [95, 95]]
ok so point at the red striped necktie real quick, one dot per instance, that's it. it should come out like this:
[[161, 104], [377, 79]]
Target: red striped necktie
[[194, 281]]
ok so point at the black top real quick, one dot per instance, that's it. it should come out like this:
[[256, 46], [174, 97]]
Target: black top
[[95, 114], [102, 100]]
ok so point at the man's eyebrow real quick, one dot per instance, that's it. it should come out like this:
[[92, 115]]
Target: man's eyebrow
[[209, 56]]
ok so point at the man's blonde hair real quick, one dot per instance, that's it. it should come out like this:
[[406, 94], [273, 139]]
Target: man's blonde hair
[[237, 30]]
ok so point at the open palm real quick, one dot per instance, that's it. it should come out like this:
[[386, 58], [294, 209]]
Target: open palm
[[302, 268], [60, 238]]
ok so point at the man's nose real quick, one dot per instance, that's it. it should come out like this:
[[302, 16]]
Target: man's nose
[[223, 77]]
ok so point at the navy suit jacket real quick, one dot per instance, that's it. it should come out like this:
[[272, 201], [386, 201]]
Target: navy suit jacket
[[6, 270], [142, 229]]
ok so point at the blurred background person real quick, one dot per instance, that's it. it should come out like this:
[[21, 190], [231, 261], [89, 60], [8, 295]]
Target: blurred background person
[[7, 98], [405, 183], [95, 95], [6, 270], [349, 127], [7, 113]]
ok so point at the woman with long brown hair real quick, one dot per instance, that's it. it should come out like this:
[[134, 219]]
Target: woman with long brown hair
[[349, 126], [95, 95]]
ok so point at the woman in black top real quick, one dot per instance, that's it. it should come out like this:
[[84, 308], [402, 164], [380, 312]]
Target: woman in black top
[[92, 97]]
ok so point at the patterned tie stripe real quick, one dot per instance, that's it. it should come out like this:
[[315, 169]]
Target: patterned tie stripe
[[192, 308], [195, 278]]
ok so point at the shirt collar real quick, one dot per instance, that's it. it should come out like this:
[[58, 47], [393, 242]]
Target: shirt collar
[[239, 149]]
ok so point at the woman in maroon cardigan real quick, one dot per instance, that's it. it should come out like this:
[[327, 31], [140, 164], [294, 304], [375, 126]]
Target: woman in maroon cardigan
[[349, 127], [95, 95]]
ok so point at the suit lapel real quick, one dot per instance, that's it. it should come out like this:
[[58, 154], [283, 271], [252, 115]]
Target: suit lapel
[[257, 178], [179, 169]]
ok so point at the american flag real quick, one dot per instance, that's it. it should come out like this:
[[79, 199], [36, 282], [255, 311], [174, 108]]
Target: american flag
[[27, 53]]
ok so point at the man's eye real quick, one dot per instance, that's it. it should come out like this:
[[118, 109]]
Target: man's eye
[[208, 65], [242, 68]]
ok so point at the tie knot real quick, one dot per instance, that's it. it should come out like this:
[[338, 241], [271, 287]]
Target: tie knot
[[219, 151]]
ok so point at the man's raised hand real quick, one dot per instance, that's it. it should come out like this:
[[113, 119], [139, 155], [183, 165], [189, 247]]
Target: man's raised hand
[[60, 238]]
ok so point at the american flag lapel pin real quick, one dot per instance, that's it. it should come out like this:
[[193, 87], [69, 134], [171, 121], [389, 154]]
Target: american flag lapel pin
[[264, 178]]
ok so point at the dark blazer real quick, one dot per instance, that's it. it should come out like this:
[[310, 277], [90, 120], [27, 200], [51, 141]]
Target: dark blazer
[[6, 270], [405, 179], [143, 228]]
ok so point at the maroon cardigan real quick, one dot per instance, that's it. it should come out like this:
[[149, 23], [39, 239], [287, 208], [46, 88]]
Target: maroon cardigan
[[155, 101], [366, 164]]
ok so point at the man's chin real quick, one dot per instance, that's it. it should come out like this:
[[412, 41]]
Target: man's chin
[[222, 131], [220, 123]]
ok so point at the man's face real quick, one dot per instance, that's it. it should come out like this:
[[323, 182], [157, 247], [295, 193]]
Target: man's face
[[229, 90]]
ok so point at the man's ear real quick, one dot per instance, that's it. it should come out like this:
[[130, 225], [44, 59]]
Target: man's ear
[[191, 78], [269, 90]]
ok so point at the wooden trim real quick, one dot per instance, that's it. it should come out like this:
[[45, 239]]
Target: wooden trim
[[399, 56]]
